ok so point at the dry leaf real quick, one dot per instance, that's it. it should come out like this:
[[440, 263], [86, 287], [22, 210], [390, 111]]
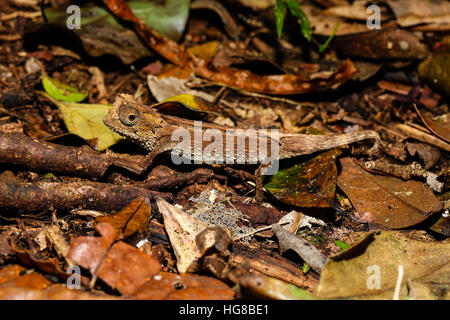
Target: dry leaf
[[309, 184], [17, 284], [442, 130], [182, 230], [389, 201], [264, 287], [243, 79], [389, 43], [120, 265]]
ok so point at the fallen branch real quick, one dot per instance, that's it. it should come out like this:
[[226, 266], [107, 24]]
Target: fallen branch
[[21, 150], [46, 196]]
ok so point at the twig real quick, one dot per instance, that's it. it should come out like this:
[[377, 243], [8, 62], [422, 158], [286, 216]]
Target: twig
[[424, 137], [399, 283]]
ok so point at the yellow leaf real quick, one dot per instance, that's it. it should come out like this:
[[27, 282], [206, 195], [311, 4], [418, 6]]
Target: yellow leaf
[[206, 51], [86, 121]]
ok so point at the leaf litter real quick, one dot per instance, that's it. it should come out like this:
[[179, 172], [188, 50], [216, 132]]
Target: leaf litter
[[65, 205]]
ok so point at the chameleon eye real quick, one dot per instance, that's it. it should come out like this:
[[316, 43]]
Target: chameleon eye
[[129, 116]]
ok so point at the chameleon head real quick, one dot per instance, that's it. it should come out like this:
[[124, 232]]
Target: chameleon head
[[133, 121]]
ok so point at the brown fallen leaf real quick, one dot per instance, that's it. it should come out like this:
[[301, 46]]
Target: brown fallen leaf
[[322, 23], [133, 218], [242, 79], [391, 202], [428, 98], [369, 269], [183, 231], [120, 265], [309, 184], [56, 238], [356, 11], [442, 130]]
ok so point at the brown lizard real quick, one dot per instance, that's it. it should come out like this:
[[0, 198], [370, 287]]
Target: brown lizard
[[155, 132]]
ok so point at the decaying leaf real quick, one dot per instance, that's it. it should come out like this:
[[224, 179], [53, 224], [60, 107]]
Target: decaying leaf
[[86, 121], [310, 184], [386, 43], [303, 248], [209, 207], [16, 283], [323, 23], [442, 226], [355, 11], [389, 201], [369, 269], [133, 218]]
